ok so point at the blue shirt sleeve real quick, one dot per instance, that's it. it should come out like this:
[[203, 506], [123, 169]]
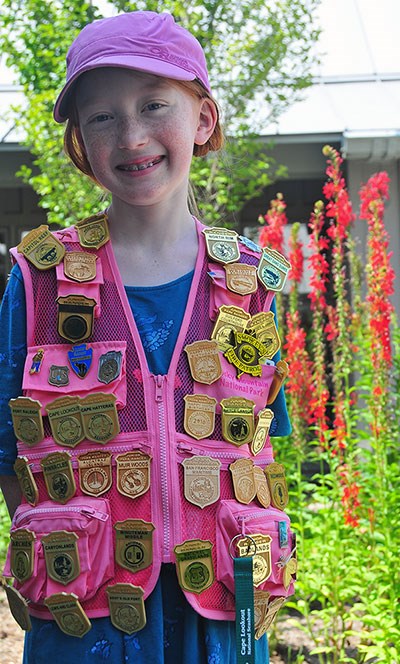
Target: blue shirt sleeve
[[12, 361]]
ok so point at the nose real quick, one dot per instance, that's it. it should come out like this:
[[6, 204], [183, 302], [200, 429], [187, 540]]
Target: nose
[[132, 133]]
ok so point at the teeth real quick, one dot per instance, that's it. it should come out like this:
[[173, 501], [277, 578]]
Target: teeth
[[139, 167]]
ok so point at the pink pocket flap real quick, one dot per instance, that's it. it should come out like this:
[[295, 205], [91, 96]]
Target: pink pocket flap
[[221, 295], [91, 289]]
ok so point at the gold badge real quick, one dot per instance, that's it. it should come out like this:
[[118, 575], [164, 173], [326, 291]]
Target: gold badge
[[280, 375], [273, 269], [275, 473], [93, 231], [80, 266], [262, 564], [68, 614], [199, 421], [289, 566], [22, 554], [95, 476], [241, 278], [201, 480], [100, 417], [26, 480], [133, 474], [244, 484], [75, 317], [261, 598], [204, 361], [237, 420], [66, 421], [27, 420], [127, 610], [18, 607], [42, 248], [229, 319], [263, 326], [246, 354], [134, 544], [262, 490], [59, 476], [222, 245], [194, 565], [273, 607], [61, 555], [265, 418]]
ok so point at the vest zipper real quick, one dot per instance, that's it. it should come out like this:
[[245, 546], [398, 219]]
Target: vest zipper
[[165, 502], [86, 511]]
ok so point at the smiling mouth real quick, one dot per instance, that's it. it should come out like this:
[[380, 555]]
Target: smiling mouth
[[140, 167]]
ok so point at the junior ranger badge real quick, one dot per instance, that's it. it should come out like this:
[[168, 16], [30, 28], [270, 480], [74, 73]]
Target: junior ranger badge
[[262, 489], [61, 555], [100, 417], [201, 480], [58, 376], [59, 476], [241, 278], [127, 610], [204, 361], [134, 544], [109, 366], [66, 421], [237, 420], [95, 475], [199, 419], [68, 614], [273, 269], [265, 418], [75, 317], [222, 245], [27, 420], [80, 266], [262, 565], [261, 598], [194, 565], [22, 554], [26, 480], [42, 248], [276, 479], [93, 231], [262, 325], [273, 606], [37, 361], [80, 359], [246, 354], [244, 485], [229, 319], [18, 607], [280, 375], [133, 473]]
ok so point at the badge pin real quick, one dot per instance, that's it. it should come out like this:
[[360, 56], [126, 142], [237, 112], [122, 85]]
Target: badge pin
[[283, 535], [222, 245], [262, 489], [95, 475], [201, 480], [262, 564], [93, 231], [263, 326], [280, 375], [18, 607], [59, 476], [80, 359], [261, 598], [61, 556], [273, 269], [26, 480], [66, 421], [244, 485], [37, 361], [199, 418], [22, 554], [194, 565], [237, 420], [246, 354], [27, 420], [250, 244], [260, 438], [99, 417], [275, 474], [127, 610], [80, 266], [241, 278], [229, 319], [273, 606], [134, 544], [75, 317], [204, 361], [58, 376], [42, 248], [109, 366], [68, 614], [133, 474]]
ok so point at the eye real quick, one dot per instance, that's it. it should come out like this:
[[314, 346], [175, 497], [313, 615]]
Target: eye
[[154, 106], [101, 117]]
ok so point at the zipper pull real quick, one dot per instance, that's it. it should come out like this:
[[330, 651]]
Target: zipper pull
[[159, 387], [94, 514]]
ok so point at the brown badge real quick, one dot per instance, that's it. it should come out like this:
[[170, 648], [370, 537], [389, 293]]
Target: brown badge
[[95, 475], [18, 607], [244, 484], [194, 565], [262, 325], [201, 480], [59, 476], [42, 248], [204, 361], [27, 420], [93, 231], [273, 606], [273, 269], [127, 610], [133, 473], [229, 319], [237, 420], [262, 564], [261, 598], [22, 554], [61, 555], [134, 544], [199, 420], [66, 421], [26, 480], [241, 278], [222, 245], [246, 354], [80, 266], [265, 418], [276, 479], [100, 417], [68, 614], [280, 375], [75, 317], [262, 489]]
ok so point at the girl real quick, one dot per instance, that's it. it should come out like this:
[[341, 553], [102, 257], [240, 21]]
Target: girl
[[145, 375]]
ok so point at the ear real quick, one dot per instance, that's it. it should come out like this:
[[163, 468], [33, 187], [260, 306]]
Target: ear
[[208, 116]]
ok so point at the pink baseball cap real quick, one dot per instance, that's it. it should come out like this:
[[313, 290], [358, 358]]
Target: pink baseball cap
[[142, 40]]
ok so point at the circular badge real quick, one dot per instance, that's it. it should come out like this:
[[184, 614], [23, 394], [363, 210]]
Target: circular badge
[[133, 481], [128, 617], [197, 575], [238, 428], [60, 485], [46, 254], [134, 554], [100, 426], [63, 566], [28, 430], [75, 327], [223, 251], [69, 430]]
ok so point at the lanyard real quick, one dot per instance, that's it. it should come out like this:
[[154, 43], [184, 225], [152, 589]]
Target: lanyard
[[244, 598]]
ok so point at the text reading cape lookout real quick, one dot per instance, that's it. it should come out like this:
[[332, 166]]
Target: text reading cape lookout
[[101, 439]]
